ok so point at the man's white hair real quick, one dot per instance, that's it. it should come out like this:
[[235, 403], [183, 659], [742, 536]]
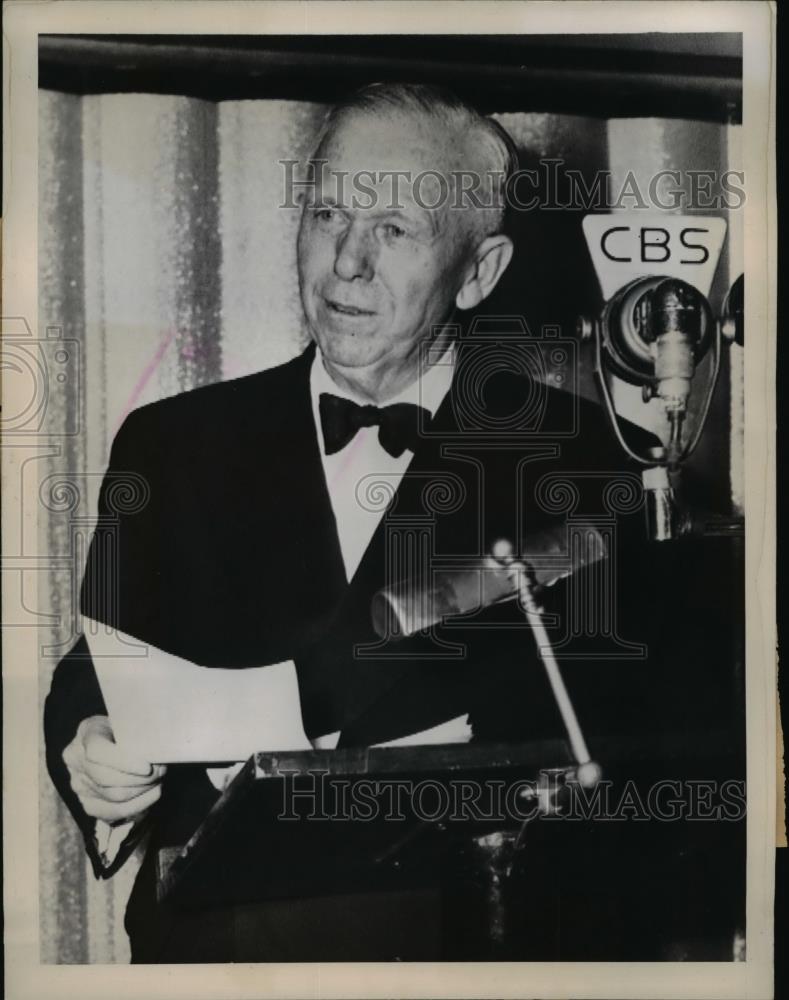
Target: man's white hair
[[496, 154]]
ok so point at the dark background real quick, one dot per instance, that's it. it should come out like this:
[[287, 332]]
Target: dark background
[[606, 76]]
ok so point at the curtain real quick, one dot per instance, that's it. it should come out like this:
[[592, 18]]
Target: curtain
[[164, 264]]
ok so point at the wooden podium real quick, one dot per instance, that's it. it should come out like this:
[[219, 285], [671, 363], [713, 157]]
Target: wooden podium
[[345, 820], [322, 823]]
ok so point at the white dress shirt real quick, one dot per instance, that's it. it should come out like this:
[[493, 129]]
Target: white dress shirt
[[363, 460]]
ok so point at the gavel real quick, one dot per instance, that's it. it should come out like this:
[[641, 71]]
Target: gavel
[[413, 605]]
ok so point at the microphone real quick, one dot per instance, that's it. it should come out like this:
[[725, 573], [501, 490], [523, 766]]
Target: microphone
[[654, 333], [412, 605], [675, 325]]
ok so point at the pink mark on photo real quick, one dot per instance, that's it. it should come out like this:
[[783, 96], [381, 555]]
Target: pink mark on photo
[[146, 375]]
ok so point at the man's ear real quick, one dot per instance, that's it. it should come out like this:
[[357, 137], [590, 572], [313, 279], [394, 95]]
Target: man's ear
[[490, 261]]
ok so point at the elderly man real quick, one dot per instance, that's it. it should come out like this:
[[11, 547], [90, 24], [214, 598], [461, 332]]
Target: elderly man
[[261, 540]]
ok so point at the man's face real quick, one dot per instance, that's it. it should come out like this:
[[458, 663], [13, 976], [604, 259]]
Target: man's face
[[375, 278]]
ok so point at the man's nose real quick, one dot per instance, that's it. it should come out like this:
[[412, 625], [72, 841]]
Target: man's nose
[[355, 255]]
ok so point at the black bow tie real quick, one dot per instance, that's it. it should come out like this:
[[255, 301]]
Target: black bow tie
[[398, 424]]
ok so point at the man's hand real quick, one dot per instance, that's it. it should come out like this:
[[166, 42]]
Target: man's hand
[[110, 784]]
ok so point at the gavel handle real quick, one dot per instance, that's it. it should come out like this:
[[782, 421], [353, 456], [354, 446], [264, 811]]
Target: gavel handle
[[588, 772], [566, 710]]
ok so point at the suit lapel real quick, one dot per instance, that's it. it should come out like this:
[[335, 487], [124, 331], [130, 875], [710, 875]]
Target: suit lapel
[[301, 532], [309, 491]]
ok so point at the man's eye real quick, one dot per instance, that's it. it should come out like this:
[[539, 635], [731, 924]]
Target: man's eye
[[326, 216], [393, 232]]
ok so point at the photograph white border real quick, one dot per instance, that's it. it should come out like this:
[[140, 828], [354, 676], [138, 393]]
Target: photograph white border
[[750, 980]]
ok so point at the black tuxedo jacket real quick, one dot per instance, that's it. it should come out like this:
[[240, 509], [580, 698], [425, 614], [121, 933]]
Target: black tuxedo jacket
[[216, 542]]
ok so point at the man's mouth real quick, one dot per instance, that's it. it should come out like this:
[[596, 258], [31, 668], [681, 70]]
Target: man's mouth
[[346, 309]]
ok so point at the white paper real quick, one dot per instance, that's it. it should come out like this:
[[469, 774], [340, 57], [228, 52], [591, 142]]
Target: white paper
[[455, 731], [168, 710]]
